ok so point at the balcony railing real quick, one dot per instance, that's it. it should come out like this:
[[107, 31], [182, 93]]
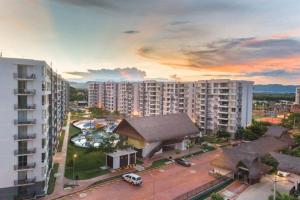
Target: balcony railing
[[25, 107], [25, 76], [25, 91], [25, 167], [25, 151], [27, 181], [25, 122], [25, 137]]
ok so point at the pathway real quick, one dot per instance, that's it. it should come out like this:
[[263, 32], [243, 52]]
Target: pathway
[[60, 158]]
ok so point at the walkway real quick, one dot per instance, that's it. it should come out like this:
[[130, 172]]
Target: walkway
[[60, 158]]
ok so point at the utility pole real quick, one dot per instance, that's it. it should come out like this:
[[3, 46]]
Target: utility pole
[[274, 189]]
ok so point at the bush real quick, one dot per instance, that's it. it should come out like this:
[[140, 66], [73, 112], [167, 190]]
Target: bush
[[223, 134], [216, 196], [270, 161]]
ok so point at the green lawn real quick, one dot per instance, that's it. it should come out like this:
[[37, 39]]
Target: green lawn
[[87, 163], [158, 163], [52, 179]]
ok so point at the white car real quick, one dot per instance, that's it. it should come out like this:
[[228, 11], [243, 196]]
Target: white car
[[132, 178]]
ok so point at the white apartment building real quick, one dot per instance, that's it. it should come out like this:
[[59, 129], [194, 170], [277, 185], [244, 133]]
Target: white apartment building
[[297, 96], [34, 100], [212, 104], [223, 104]]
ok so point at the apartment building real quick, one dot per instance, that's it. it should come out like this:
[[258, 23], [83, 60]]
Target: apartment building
[[34, 101], [212, 104], [127, 98], [297, 99], [223, 105]]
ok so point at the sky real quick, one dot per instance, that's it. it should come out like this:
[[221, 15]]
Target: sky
[[133, 40]]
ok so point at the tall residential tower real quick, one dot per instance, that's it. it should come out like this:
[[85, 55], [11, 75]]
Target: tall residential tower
[[34, 101]]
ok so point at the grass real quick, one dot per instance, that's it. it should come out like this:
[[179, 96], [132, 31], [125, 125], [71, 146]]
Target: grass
[[52, 179], [292, 152], [213, 139], [158, 163], [61, 141], [88, 161]]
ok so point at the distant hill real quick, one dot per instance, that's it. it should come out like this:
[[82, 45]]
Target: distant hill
[[275, 88], [271, 88]]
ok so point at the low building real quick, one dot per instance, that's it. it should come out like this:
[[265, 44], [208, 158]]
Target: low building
[[121, 158], [155, 134], [244, 160]]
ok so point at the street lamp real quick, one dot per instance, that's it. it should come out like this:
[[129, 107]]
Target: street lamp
[[74, 157]]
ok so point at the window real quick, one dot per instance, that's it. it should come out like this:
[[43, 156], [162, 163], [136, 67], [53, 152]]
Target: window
[[43, 143], [22, 161], [43, 157]]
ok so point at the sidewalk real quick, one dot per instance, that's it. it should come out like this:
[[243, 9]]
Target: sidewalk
[[60, 158]]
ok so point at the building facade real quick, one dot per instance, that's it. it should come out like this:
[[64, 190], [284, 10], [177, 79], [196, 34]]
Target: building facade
[[212, 104], [297, 99], [223, 105], [34, 101]]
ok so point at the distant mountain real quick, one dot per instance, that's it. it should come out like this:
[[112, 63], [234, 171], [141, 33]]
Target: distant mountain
[[79, 85], [271, 88], [275, 88]]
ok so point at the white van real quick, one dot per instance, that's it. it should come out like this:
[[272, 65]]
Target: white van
[[132, 178]]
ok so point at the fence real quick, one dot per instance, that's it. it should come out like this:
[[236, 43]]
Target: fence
[[203, 189]]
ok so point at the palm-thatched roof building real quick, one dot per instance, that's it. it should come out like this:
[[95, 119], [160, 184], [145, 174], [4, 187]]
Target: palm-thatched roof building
[[244, 160], [150, 134]]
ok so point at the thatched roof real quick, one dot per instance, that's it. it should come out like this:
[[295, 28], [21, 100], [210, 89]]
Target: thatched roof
[[249, 154], [287, 163], [157, 128], [276, 131]]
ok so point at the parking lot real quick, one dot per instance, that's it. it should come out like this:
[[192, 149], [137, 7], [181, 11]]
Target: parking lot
[[164, 183]]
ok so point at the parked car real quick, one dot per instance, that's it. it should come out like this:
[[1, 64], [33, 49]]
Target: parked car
[[283, 174], [183, 162], [132, 178]]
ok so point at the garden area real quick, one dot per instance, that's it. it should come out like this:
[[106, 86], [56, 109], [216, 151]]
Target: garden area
[[87, 161]]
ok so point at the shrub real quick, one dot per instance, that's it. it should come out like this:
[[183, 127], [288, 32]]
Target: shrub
[[216, 196]]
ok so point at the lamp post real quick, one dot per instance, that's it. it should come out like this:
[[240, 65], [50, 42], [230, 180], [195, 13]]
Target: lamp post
[[74, 157]]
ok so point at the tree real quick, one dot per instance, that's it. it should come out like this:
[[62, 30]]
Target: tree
[[223, 134], [216, 196], [239, 134], [282, 196], [297, 139], [292, 120], [249, 135], [270, 161]]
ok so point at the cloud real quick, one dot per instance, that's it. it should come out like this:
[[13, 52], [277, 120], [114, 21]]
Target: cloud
[[118, 74], [276, 73], [90, 3], [237, 55], [175, 23], [131, 32]]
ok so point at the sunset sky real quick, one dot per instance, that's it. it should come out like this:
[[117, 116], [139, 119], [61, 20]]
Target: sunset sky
[[184, 40]]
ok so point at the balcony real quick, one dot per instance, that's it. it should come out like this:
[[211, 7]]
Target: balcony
[[24, 76], [25, 107], [29, 166], [25, 137], [26, 122], [24, 91], [25, 151], [27, 181]]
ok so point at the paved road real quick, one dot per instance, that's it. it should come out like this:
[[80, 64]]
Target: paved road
[[166, 183]]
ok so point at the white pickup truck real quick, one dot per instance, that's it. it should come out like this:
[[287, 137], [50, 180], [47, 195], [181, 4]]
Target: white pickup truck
[[132, 178]]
